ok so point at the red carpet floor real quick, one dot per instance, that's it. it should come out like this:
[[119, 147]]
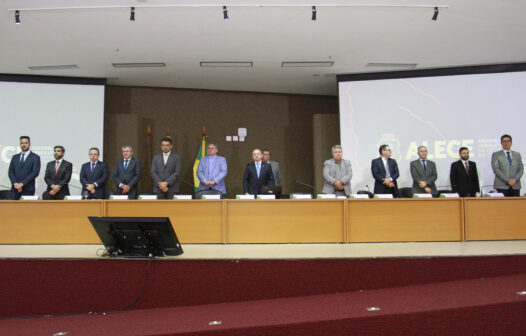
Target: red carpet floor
[[487, 306], [45, 287]]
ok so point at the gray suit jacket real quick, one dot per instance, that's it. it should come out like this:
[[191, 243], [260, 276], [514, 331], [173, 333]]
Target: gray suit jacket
[[329, 173], [503, 171], [429, 176], [275, 171], [166, 173]]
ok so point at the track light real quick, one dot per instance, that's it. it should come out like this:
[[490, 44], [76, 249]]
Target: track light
[[435, 16], [17, 17], [313, 13], [225, 13], [132, 14]]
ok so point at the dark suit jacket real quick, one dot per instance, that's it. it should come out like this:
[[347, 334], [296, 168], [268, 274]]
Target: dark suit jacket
[[463, 184], [251, 183], [379, 174], [129, 177], [25, 173], [61, 178], [99, 175], [166, 173]]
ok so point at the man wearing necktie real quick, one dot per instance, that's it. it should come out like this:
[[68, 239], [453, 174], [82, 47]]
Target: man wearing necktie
[[385, 172], [23, 170], [257, 174], [166, 169], [508, 168], [424, 173], [94, 175], [57, 176], [464, 176], [212, 170], [127, 174]]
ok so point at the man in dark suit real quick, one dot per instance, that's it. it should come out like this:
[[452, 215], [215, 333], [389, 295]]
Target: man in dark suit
[[166, 169], [93, 176], [23, 170], [127, 174], [424, 173], [257, 174], [58, 175], [385, 172], [463, 175]]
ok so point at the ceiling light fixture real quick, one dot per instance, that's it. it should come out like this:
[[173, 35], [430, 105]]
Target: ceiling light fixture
[[313, 13]]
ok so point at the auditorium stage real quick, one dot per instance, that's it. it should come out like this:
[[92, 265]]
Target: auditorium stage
[[431, 288], [288, 251]]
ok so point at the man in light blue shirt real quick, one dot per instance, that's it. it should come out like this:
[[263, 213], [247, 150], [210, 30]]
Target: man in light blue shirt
[[212, 170]]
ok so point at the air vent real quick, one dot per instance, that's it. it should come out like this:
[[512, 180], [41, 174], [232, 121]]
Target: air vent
[[309, 64], [392, 65], [227, 64], [139, 65], [53, 67]]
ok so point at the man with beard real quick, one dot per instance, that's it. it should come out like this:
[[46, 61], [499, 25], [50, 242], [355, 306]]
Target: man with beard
[[58, 175]]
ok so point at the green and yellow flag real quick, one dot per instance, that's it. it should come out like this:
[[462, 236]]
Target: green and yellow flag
[[201, 152]]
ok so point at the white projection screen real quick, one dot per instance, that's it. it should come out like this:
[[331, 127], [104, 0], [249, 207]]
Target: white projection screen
[[442, 109], [51, 111]]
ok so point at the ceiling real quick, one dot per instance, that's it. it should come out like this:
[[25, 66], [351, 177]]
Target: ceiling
[[468, 32]]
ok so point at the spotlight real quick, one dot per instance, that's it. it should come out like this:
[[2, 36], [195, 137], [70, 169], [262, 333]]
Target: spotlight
[[225, 13], [17, 17], [313, 13], [434, 18], [132, 14]]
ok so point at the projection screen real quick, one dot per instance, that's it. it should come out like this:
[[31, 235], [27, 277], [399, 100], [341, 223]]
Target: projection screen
[[70, 114], [442, 109]]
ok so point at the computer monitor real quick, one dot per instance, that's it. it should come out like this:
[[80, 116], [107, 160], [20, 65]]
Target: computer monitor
[[137, 236]]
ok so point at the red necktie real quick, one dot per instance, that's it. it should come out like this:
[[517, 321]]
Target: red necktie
[[56, 167], [467, 168]]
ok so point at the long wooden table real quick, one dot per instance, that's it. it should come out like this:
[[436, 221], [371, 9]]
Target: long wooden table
[[275, 221]]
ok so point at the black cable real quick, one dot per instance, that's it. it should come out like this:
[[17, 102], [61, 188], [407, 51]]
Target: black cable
[[141, 292]]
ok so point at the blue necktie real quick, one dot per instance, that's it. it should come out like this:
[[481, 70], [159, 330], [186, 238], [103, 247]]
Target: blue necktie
[[509, 157], [210, 168], [125, 164], [92, 166], [424, 163], [22, 160], [257, 168]]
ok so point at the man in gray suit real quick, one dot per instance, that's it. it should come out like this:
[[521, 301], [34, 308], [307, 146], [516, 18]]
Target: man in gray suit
[[274, 165], [424, 173], [508, 168], [337, 173], [166, 168]]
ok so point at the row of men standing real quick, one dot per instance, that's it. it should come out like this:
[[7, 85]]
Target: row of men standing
[[165, 172], [507, 166]]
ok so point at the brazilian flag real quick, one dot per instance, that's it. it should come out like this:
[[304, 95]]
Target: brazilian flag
[[201, 152]]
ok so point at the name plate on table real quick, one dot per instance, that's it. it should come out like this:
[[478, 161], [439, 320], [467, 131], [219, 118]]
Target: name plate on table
[[209, 197], [359, 196], [383, 196], [266, 197], [73, 198], [341, 197], [493, 195], [147, 197], [301, 196], [182, 197], [118, 197], [244, 196], [326, 196], [449, 195], [29, 198], [422, 196]]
